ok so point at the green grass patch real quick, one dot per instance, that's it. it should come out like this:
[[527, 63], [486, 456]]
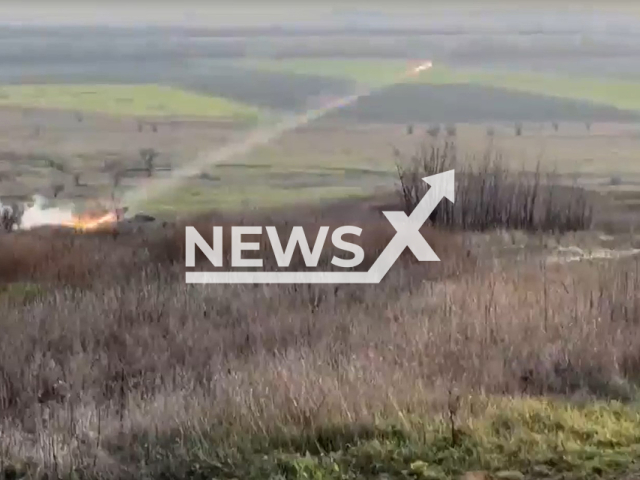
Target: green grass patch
[[21, 294], [512, 439], [231, 198], [133, 100], [301, 157], [620, 94]]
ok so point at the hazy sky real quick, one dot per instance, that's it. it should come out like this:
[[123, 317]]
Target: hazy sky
[[166, 13], [215, 13]]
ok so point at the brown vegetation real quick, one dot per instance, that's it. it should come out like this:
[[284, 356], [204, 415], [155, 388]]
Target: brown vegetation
[[111, 365]]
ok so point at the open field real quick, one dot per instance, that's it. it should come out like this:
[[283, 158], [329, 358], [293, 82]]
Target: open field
[[270, 89], [288, 85], [623, 95], [372, 72], [48, 150], [42, 151], [229, 94], [132, 100], [256, 193], [469, 103], [620, 94]]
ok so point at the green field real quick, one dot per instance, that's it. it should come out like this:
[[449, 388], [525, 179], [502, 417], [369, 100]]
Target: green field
[[198, 199], [370, 72], [377, 73], [135, 100], [620, 94]]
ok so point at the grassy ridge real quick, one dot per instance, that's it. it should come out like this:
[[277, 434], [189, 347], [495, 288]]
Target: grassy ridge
[[137, 100]]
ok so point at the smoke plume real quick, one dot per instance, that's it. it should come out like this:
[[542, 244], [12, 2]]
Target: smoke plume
[[38, 215]]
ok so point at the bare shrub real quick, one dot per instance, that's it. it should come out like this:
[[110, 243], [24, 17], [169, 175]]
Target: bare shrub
[[518, 129], [116, 179], [451, 130], [490, 196], [148, 157], [55, 164], [433, 131]]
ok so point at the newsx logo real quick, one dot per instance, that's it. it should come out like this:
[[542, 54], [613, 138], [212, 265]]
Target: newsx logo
[[407, 235]]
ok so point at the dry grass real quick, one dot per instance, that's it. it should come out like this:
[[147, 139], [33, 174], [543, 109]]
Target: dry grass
[[112, 367]]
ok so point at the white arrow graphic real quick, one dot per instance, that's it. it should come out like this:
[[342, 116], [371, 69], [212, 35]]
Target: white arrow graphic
[[408, 228], [407, 236]]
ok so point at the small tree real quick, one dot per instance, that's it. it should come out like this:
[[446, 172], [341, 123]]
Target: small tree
[[556, 126], [518, 129], [116, 177], [148, 156], [207, 176], [409, 129], [588, 126], [452, 130], [491, 131], [434, 131], [54, 164]]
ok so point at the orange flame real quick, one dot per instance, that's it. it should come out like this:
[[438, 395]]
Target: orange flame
[[87, 223]]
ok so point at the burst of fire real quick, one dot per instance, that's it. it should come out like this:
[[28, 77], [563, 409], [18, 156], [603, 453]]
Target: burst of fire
[[87, 223]]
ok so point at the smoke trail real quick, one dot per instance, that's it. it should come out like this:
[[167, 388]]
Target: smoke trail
[[154, 187]]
